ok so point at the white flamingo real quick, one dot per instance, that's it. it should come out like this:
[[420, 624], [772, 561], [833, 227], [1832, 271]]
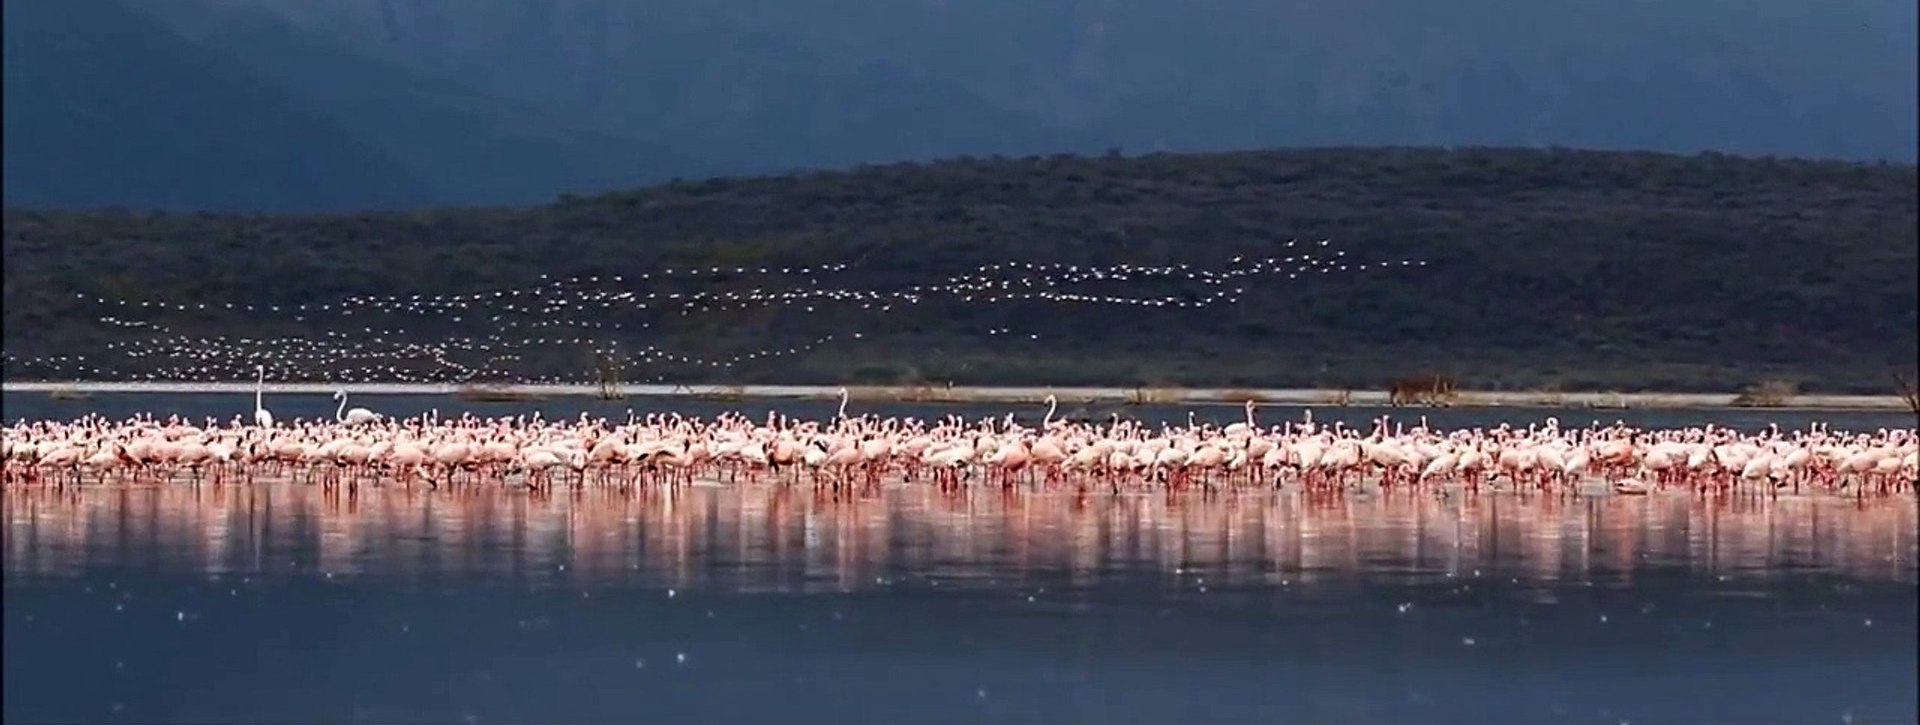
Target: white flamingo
[[261, 417], [355, 416]]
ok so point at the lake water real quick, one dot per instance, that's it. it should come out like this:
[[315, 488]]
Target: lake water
[[282, 603]]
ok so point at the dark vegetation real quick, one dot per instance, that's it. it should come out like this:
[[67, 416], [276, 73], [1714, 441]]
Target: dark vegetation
[[1565, 269], [1908, 393]]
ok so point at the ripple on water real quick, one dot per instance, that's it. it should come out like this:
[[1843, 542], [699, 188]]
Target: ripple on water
[[281, 604]]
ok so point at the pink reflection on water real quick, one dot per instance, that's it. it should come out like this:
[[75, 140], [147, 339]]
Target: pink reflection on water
[[770, 538]]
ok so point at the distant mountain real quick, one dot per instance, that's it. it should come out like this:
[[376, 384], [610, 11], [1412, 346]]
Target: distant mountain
[[736, 100], [492, 101], [1738, 76], [471, 148], [103, 107]]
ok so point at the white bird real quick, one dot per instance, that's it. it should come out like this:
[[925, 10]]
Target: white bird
[[356, 416], [261, 417]]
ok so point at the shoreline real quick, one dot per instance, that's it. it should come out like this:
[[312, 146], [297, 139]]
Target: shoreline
[[1028, 395]]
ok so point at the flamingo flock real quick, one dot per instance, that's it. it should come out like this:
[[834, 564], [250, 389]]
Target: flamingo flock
[[360, 447], [484, 334]]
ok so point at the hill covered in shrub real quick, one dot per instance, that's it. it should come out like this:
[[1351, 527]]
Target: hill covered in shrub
[[1529, 268]]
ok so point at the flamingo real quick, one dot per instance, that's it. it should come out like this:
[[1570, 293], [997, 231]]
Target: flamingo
[[674, 449], [261, 417], [1243, 427], [355, 416]]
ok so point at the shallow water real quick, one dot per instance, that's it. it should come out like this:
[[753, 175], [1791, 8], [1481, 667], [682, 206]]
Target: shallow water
[[43, 406], [282, 603]]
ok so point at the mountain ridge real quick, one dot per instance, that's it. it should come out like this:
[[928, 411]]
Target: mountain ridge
[[155, 127], [514, 101], [1647, 63], [473, 148]]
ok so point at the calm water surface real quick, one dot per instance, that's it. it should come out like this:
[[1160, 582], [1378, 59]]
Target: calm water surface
[[281, 603]]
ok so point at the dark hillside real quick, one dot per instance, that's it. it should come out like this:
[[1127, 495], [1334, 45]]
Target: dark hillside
[[1569, 268]]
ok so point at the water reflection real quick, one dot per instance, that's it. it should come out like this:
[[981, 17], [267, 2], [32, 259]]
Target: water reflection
[[756, 538]]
